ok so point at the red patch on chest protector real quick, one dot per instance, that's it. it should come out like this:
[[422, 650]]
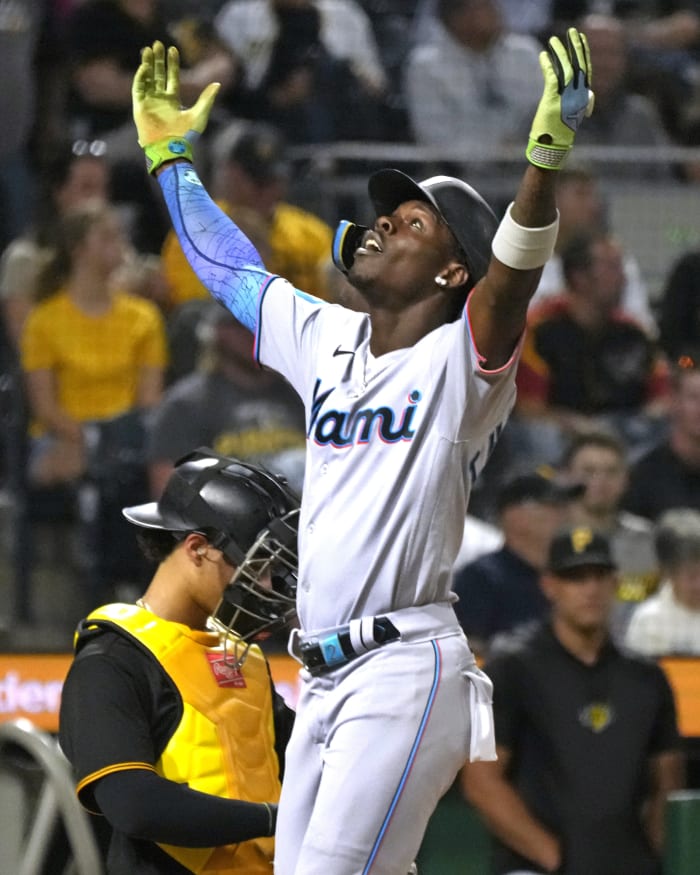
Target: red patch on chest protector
[[225, 674]]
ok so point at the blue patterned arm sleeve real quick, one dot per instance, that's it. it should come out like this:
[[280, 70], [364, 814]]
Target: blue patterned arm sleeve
[[223, 258]]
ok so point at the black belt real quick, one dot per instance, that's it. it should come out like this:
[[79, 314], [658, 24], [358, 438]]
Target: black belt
[[323, 654]]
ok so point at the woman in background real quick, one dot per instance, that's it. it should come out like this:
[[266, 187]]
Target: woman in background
[[93, 358]]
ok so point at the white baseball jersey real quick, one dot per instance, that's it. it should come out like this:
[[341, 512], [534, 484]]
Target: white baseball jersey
[[382, 512]]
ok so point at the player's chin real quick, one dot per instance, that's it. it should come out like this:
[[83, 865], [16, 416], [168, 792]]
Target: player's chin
[[361, 278], [367, 275], [361, 265]]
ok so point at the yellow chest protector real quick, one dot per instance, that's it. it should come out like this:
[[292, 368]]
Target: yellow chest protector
[[224, 742]]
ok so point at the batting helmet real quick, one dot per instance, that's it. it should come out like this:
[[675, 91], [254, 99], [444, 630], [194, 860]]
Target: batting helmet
[[470, 219], [250, 515]]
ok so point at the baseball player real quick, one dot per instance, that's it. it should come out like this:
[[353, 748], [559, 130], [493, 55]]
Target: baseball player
[[168, 715], [403, 404]]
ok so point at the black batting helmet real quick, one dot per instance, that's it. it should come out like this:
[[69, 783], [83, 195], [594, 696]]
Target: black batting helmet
[[470, 219], [248, 513]]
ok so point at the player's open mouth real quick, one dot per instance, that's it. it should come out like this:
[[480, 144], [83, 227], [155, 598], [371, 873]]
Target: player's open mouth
[[370, 244]]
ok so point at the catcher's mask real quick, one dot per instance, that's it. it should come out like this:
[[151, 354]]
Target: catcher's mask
[[470, 219], [248, 513]]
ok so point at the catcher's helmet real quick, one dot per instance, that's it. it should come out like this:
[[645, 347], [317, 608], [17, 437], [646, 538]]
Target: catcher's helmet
[[470, 219], [251, 516]]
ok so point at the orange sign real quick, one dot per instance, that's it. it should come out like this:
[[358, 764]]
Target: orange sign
[[31, 683], [30, 687], [683, 674]]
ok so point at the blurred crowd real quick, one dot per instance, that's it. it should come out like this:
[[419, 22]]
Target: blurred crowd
[[114, 362]]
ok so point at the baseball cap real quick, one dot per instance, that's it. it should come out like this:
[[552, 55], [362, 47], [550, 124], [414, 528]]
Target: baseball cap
[[259, 150], [579, 547], [536, 486]]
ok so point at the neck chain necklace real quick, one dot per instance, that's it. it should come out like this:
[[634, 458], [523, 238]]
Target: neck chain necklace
[[142, 604]]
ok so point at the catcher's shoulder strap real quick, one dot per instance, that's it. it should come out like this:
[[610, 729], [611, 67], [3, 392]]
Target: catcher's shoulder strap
[[124, 619]]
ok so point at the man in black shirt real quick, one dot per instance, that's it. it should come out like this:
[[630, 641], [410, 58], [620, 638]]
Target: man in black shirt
[[587, 741]]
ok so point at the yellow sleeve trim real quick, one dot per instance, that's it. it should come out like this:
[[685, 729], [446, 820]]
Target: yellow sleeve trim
[[89, 780]]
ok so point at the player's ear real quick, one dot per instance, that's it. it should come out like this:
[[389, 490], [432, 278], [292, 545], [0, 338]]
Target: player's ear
[[454, 275], [195, 545]]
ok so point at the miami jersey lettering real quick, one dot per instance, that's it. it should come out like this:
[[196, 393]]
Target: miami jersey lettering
[[343, 428]]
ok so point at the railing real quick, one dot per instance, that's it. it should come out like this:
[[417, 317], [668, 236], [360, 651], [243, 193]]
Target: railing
[[28, 834], [653, 207]]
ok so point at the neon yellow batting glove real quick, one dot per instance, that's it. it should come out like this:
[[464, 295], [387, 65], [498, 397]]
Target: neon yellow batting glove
[[166, 131], [566, 99]]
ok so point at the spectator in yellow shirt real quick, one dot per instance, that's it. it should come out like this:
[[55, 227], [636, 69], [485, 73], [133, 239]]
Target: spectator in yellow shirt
[[89, 351], [93, 358], [71, 174]]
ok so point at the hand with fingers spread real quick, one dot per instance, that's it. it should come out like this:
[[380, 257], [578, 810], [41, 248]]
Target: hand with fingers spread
[[566, 99], [166, 131]]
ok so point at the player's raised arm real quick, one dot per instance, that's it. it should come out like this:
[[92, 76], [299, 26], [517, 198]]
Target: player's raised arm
[[526, 236], [223, 258]]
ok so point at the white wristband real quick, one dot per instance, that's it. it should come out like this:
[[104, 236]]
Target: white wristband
[[524, 248]]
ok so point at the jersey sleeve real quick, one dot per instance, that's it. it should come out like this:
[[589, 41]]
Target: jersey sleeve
[[37, 350], [484, 398], [103, 725], [224, 259], [289, 325], [152, 348]]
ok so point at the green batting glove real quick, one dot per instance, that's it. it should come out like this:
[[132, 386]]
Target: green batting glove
[[166, 131], [566, 99]]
